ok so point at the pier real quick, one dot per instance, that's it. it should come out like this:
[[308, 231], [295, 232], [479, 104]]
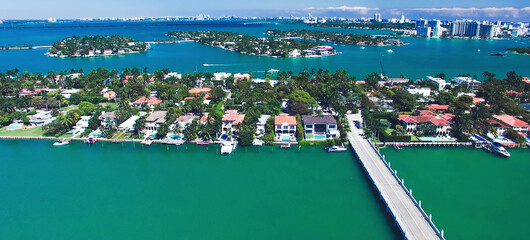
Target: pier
[[407, 213]]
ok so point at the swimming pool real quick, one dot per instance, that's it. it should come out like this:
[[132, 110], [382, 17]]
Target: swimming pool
[[176, 136], [437, 139], [14, 126], [320, 137], [286, 138]]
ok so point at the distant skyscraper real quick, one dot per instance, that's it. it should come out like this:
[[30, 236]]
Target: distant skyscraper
[[465, 28], [377, 17], [402, 19]]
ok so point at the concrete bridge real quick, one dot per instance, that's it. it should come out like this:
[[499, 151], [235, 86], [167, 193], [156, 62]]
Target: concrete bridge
[[413, 222]]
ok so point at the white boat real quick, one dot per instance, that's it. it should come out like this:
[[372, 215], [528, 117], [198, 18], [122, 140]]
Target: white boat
[[337, 149], [228, 147], [389, 51], [61, 143], [257, 142], [362, 47], [498, 148]]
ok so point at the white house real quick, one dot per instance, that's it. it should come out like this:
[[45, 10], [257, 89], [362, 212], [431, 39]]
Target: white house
[[260, 125], [469, 82], [220, 76], [285, 128], [440, 82], [108, 118], [128, 125], [273, 83], [81, 125], [185, 120], [153, 121], [416, 90], [231, 120], [67, 93], [320, 128], [41, 118]]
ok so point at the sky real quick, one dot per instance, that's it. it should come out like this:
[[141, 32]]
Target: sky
[[517, 10]]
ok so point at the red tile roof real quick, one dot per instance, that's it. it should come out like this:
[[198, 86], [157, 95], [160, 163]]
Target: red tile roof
[[280, 120], [511, 121], [150, 100], [496, 124], [478, 100], [199, 90], [514, 93], [526, 80], [437, 107], [233, 116]]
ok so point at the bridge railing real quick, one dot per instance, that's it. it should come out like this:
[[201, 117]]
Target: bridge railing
[[409, 192]]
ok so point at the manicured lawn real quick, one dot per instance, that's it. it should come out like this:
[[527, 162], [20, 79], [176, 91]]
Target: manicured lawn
[[69, 108], [66, 135], [111, 104], [32, 132], [122, 135]]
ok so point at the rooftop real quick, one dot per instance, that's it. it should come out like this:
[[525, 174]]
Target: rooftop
[[437, 107], [511, 120], [157, 116], [148, 100], [233, 116], [199, 90], [328, 119], [282, 119]]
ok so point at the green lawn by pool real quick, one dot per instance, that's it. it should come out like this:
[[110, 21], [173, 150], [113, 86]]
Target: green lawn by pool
[[32, 132]]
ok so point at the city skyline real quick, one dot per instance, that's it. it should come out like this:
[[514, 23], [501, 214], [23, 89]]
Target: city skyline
[[449, 10]]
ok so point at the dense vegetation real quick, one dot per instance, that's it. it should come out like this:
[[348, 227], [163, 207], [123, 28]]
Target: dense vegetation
[[332, 37], [367, 25], [304, 93], [246, 44], [522, 50], [80, 46]]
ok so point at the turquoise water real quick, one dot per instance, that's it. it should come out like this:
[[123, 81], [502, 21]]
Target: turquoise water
[[422, 57], [14, 126], [320, 137], [130, 191], [471, 193]]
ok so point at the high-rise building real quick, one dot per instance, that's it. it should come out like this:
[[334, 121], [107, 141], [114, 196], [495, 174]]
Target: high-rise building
[[432, 28], [402, 18], [465, 28], [377, 17]]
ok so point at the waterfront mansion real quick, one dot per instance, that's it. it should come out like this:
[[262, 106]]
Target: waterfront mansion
[[319, 128], [285, 128], [440, 124]]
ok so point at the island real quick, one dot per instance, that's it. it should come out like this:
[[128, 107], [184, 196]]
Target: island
[[336, 37], [251, 45], [520, 50], [95, 46]]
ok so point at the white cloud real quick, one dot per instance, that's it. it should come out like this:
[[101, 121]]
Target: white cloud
[[361, 10], [464, 12]]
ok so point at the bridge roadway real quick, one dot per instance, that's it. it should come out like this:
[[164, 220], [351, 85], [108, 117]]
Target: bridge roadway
[[407, 213]]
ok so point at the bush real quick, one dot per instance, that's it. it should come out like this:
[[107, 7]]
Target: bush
[[512, 134], [385, 137]]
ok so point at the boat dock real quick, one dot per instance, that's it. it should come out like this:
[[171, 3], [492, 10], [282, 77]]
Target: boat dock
[[407, 213]]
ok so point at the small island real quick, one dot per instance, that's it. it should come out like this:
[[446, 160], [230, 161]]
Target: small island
[[95, 46], [336, 37], [520, 50], [250, 45]]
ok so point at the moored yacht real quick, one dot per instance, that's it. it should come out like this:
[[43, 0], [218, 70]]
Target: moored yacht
[[498, 148]]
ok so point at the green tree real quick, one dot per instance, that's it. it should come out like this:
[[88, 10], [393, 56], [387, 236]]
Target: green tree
[[86, 108]]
